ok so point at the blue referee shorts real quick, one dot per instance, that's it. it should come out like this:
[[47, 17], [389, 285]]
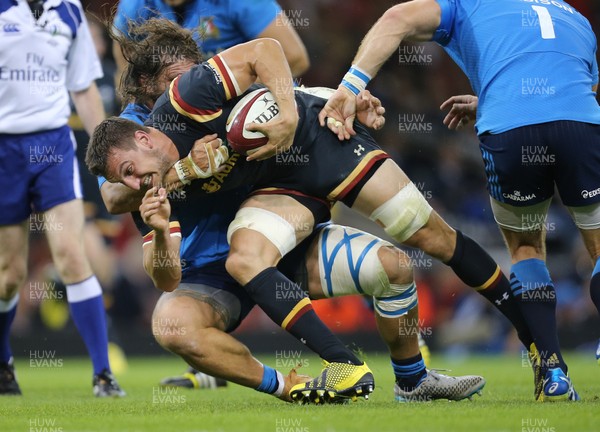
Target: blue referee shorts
[[38, 171], [524, 164]]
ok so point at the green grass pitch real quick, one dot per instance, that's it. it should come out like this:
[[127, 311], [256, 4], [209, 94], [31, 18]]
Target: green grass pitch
[[59, 399]]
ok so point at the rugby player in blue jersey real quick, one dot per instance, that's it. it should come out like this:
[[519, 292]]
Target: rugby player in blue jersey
[[216, 25], [535, 85]]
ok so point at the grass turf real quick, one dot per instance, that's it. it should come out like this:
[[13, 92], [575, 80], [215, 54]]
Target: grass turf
[[59, 399]]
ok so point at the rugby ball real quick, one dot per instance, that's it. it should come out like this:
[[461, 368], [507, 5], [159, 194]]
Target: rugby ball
[[257, 106]]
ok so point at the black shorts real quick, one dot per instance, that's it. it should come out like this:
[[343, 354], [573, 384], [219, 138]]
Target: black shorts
[[523, 164]]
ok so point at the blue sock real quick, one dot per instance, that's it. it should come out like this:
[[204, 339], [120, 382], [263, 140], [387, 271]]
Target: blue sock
[[272, 381], [8, 310], [595, 285], [534, 291], [87, 311], [409, 372]]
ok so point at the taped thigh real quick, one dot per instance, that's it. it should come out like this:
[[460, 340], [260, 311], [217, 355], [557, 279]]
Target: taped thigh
[[403, 214], [349, 264], [520, 219], [275, 228]]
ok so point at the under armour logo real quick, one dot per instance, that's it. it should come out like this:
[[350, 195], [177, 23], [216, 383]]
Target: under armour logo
[[359, 150], [504, 297]]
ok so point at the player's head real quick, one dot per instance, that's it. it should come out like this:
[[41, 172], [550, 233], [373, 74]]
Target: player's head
[[156, 51], [125, 152]]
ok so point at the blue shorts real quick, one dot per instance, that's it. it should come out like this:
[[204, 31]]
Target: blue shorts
[[213, 285], [38, 171], [523, 164]]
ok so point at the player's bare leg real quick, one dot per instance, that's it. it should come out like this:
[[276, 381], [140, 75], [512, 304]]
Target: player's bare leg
[[64, 230], [194, 330], [390, 199], [13, 271], [266, 228]]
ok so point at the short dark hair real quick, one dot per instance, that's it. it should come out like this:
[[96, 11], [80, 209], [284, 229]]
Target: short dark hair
[[113, 133], [149, 48]]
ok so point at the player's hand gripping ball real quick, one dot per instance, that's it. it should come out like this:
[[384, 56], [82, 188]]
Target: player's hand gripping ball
[[257, 106]]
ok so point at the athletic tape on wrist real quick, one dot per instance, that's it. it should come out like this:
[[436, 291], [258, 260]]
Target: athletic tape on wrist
[[356, 80], [183, 171]]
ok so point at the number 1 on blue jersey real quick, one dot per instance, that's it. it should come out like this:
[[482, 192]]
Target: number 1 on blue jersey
[[546, 25]]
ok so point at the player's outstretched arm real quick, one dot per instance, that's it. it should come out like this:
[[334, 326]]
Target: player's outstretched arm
[[264, 59], [161, 256], [416, 20], [463, 109]]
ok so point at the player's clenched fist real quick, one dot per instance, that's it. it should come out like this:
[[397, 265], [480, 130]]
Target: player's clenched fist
[[156, 209], [205, 158]]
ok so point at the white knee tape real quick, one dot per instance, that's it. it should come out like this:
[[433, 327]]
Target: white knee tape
[[399, 300], [279, 231], [404, 214], [349, 264]]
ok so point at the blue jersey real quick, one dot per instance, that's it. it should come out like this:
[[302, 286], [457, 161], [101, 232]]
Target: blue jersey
[[529, 61], [217, 25], [202, 221]]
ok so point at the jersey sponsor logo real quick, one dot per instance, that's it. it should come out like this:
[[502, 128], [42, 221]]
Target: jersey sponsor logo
[[590, 194], [218, 179], [517, 196], [11, 28]]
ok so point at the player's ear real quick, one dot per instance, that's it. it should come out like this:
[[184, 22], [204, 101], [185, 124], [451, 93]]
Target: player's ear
[[143, 139]]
